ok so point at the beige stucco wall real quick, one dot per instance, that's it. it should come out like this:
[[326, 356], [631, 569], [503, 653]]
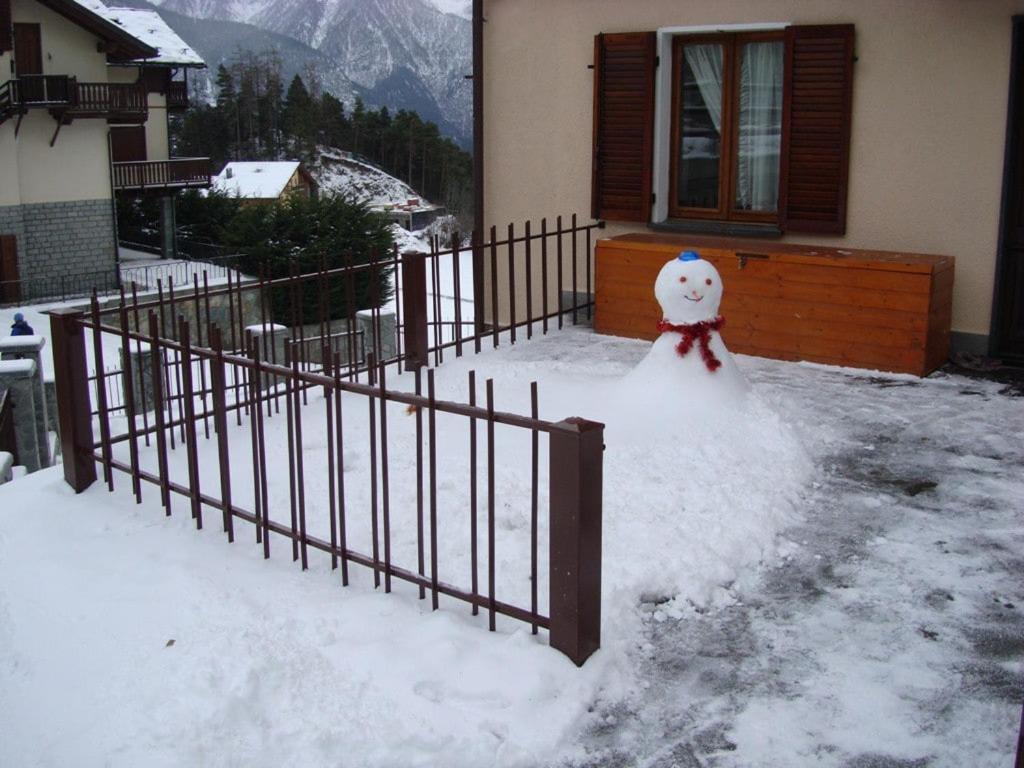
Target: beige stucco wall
[[77, 166], [929, 116], [122, 74], [157, 146], [67, 48], [157, 142], [9, 194]]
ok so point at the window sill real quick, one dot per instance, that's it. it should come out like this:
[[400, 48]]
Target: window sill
[[729, 228]]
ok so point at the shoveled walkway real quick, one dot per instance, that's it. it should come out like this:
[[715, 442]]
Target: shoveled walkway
[[893, 635]]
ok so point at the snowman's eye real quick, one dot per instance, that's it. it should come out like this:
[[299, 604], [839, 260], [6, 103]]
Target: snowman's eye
[[708, 281], [682, 279]]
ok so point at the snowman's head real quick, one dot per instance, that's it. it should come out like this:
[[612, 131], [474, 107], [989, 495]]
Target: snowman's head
[[689, 289]]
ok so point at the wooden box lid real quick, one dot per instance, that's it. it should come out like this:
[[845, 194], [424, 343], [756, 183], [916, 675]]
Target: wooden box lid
[[891, 261]]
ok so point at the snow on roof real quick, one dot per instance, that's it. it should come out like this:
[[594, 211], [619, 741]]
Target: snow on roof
[[97, 20], [148, 27], [259, 180]]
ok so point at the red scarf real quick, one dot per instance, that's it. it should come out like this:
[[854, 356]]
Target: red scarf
[[700, 332]]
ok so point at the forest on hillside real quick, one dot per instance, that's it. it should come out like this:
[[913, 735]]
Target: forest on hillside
[[257, 117]]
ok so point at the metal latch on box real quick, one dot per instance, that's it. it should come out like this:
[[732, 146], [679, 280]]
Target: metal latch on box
[[742, 257]]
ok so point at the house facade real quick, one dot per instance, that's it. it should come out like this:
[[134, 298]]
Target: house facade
[[81, 78], [877, 125], [264, 181]]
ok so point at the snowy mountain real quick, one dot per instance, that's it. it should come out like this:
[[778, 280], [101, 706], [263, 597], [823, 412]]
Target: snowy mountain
[[399, 53], [208, 39], [463, 8]]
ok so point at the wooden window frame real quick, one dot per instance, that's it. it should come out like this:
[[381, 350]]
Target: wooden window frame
[[731, 43]]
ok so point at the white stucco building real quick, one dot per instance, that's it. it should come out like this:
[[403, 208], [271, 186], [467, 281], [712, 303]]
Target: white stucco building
[[82, 116]]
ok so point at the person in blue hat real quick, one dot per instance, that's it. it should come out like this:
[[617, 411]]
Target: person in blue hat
[[20, 327]]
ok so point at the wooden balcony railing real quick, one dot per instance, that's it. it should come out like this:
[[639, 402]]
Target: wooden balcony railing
[[178, 173], [43, 90], [110, 99], [75, 99], [177, 95]]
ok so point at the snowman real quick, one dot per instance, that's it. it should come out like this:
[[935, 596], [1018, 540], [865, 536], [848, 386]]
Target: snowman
[[689, 362]]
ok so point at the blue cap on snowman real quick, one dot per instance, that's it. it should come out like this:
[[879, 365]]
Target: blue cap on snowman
[[689, 256]]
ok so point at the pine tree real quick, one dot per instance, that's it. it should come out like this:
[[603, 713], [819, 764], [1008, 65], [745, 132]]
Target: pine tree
[[299, 115], [227, 104]]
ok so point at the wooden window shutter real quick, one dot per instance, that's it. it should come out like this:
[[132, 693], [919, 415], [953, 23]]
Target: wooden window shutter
[[623, 126], [10, 288], [5, 26], [815, 164]]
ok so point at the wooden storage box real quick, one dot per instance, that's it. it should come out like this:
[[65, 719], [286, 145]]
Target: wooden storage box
[[865, 309]]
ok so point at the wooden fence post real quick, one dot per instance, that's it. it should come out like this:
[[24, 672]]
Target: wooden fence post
[[74, 411], [414, 309], [576, 461], [1019, 763]]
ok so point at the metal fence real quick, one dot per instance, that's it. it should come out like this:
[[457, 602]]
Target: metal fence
[[65, 287], [58, 287], [180, 271], [308, 384]]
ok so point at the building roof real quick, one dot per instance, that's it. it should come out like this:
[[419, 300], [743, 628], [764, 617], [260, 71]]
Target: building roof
[[255, 180], [149, 27], [90, 15]]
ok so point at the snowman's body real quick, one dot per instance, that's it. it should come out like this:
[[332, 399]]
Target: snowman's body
[[689, 362]]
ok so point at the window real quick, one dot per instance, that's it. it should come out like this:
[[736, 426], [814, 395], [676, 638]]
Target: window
[[726, 127], [760, 127]]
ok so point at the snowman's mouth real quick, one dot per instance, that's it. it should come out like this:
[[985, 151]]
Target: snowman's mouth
[[690, 298]]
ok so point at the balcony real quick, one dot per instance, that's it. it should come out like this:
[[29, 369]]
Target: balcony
[[122, 101], [67, 99], [155, 175], [177, 95]]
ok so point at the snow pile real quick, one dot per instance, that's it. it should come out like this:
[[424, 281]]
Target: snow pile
[[410, 241], [132, 640], [719, 486], [695, 493], [343, 173]]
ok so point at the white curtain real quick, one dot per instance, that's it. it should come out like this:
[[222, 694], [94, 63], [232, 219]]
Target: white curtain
[[760, 126], [706, 63]]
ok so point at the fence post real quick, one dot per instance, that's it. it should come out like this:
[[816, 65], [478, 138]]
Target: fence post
[[139, 360], [414, 309], [576, 461], [271, 350], [30, 348], [17, 377], [386, 324], [71, 380]]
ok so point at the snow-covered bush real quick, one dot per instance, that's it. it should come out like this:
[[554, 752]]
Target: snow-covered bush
[[445, 228]]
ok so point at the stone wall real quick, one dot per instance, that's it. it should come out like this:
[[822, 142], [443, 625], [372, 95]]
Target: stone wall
[[64, 246], [221, 309]]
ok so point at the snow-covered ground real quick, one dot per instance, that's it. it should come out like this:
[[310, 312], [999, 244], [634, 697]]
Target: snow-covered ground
[[829, 578]]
